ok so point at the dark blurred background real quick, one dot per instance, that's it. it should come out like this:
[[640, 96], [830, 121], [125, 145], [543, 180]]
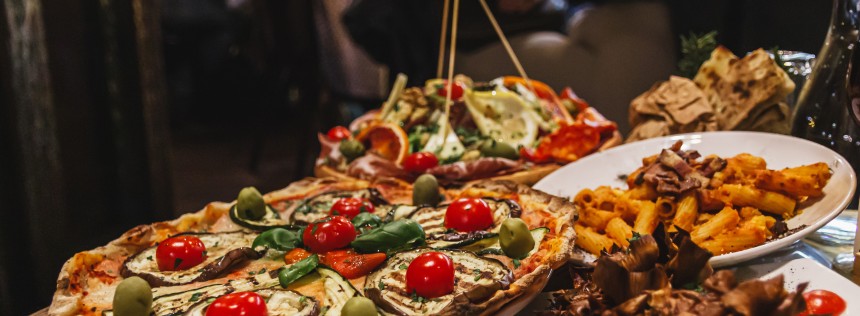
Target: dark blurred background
[[119, 113]]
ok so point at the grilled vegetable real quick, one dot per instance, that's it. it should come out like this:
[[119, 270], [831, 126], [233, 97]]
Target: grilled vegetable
[[224, 251], [338, 291], [179, 300], [477, 280], [133, 297], [269, 220], [397, 235], [390, 213], [432, 219], [278, 302], [318, 207], [350, 264], [299, 269]]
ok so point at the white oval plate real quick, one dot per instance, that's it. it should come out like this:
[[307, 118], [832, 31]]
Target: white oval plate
[[779, 151]]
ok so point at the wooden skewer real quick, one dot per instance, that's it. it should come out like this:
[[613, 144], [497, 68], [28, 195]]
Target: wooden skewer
[[439, 65], [507, 45], [452, 49]]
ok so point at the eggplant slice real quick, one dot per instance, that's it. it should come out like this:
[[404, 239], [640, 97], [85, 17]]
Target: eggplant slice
[[272, 219], [433, 221], [338, 290], [390, 213], [179, 300], [224, 251], [278, 302], [317, 207], [476, 279]]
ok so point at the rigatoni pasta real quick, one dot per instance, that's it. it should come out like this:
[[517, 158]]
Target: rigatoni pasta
[[725, 205]]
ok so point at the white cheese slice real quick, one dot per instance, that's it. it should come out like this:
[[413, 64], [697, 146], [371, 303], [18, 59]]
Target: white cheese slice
[[504, 116]]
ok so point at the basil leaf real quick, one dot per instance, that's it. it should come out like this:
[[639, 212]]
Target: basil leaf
[[278, 239], [297, 270], [365, 222], [397, 235]]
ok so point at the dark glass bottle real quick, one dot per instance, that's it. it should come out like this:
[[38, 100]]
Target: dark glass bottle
[[828, 107]]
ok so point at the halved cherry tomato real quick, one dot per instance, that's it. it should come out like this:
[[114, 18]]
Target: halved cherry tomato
[[468, 214], [823, 302], [430, 275], [339, 133], [296, 255], [180, 253], [350, 264], [239, 303], [328, 234], [457, 89], [350, 207], [420, 162]]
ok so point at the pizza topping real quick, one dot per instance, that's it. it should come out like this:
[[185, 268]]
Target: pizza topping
[[351, 149], [390, 213], [388, 288], [476, 169], [433, 219], [350, 264], [328, 234], [277, 238], [177, 300], [270, 219], [180, 253], [425, 191], [339, 133], [297, 270], [223, 252], [351, 206], [250, 204], [430, 275], [515, 238], [296, 255], [338, 291], [133, 296], [270, 301], [419, 162], [359, 306], [468, 215], [393, 236], [241, 303], [365, 222], [492, 148], [320, 206]]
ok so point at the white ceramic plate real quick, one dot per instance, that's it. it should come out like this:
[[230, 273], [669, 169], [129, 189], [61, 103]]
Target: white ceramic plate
[[779, 151], [820, 278]]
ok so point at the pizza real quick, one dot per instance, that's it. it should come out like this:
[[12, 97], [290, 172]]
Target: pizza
[[331, 246], [506, 129]]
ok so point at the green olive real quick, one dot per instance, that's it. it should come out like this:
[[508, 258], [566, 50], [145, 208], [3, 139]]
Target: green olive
[[515, 238], [133, 297], [425, 190], [359, 306], [492, 148], [351, 149], [250, 204]]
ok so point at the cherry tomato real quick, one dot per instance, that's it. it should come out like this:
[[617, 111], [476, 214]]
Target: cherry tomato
[[350, 264], [420, 162], [180, 253], [350, 207], [239, 303], [823, 302], [430, 275], [468, 214], [339, 133], [456, 88], [328, 234]]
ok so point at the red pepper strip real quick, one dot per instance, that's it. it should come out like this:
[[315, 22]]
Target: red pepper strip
[[296, 255], [350, 264], [568, 94]]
